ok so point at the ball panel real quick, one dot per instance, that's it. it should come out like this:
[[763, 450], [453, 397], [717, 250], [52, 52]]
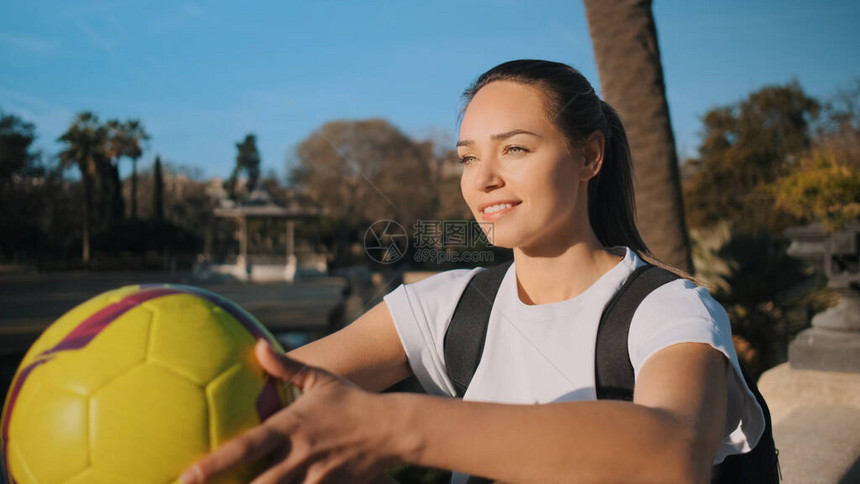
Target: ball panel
[[95, 476], [195, 337], [18, 466], [148, 425], [246, 319], [11, 402], [51, 422], [71, 319], [119, 347], [230, 395], [83, 334]]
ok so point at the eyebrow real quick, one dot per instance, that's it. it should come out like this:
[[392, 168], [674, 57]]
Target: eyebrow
[[499, 136]]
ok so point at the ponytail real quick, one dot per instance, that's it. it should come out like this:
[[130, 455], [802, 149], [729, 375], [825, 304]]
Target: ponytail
[[611, 200], [611, 204]]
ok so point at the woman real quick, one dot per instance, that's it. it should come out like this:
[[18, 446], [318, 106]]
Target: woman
[[547, 163]]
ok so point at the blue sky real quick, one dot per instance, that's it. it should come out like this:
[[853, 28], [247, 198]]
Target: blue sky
[[202, 75]]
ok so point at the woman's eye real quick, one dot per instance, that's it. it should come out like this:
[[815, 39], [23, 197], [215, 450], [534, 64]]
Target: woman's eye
[[515, 149], [466, 159]]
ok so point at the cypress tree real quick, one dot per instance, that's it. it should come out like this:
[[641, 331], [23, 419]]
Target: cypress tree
[[158, 191]]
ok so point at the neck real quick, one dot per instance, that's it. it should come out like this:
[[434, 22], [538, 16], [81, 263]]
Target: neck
[[567, 273]]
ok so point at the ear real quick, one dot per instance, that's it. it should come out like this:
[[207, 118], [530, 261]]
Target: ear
[[592, 151]]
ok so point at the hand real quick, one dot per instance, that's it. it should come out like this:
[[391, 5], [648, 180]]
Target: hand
[[334, 432]]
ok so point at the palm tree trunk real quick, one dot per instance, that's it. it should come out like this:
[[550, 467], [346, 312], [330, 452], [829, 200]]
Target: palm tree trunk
[[631, 80], [134, 189], [85, 235]]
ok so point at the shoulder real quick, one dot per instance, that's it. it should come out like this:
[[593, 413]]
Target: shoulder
[[443, 281], [436, 292], [677, 312], [430, 301], [680, 300], [421, 312]]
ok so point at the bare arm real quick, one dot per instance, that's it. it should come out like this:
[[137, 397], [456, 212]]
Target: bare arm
[[670, 433], [367, 352]]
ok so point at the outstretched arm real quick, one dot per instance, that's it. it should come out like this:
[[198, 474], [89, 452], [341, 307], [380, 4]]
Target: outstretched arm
[[367, 352], [336, 431], [669, 434]]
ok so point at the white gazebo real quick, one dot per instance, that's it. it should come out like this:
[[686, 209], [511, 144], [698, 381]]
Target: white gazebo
[[259, 205]]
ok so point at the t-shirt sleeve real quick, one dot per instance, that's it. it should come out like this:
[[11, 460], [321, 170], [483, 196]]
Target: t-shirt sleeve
[[680, 312], [421, 312]]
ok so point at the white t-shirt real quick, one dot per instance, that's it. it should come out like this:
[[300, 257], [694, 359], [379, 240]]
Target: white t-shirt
[[545, 353]]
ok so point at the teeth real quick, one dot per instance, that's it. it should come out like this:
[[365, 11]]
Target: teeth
[[496, 208]]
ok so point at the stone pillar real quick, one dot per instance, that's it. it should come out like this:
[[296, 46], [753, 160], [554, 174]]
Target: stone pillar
[[290, 269], [243, 237], [833, 341], [291, 235], [243, 264]]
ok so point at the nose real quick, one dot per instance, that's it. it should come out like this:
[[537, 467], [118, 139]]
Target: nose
[[487, 174]]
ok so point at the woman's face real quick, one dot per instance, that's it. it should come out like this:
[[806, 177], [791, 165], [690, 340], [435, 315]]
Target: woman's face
[[514, 155]]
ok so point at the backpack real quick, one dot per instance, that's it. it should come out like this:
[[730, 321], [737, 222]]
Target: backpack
[[614, 378]]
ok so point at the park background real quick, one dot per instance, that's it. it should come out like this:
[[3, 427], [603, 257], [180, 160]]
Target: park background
[[126, 126]]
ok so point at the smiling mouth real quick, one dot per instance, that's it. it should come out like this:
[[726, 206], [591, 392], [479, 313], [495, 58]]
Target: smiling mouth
[[495, 211]]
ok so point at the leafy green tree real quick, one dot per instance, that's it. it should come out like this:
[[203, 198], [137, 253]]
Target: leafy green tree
[[768, 162], [96, 149], [110, 206], [126, 139], [16, 155], [22, 188], [247, 161], [174, 226], [85, 142], [825, 187], [825, 184], [40, 211], [746, 147]]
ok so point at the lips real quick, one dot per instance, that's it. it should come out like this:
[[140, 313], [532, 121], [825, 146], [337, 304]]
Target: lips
[[484, 206], [499, 208]]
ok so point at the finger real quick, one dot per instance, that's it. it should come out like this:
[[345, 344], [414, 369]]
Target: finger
[[281, 473], [289, 370], [250, 446], [279, 456]]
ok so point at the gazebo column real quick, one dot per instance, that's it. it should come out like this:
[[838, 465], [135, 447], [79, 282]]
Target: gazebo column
[[242, 261], [290, 269], [260, 206], [291, 243]]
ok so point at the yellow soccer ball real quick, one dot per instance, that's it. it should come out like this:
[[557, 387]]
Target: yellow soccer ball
[[134, 385]]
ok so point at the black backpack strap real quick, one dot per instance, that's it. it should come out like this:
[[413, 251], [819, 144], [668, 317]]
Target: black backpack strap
[[464, 339], [614, 378]]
